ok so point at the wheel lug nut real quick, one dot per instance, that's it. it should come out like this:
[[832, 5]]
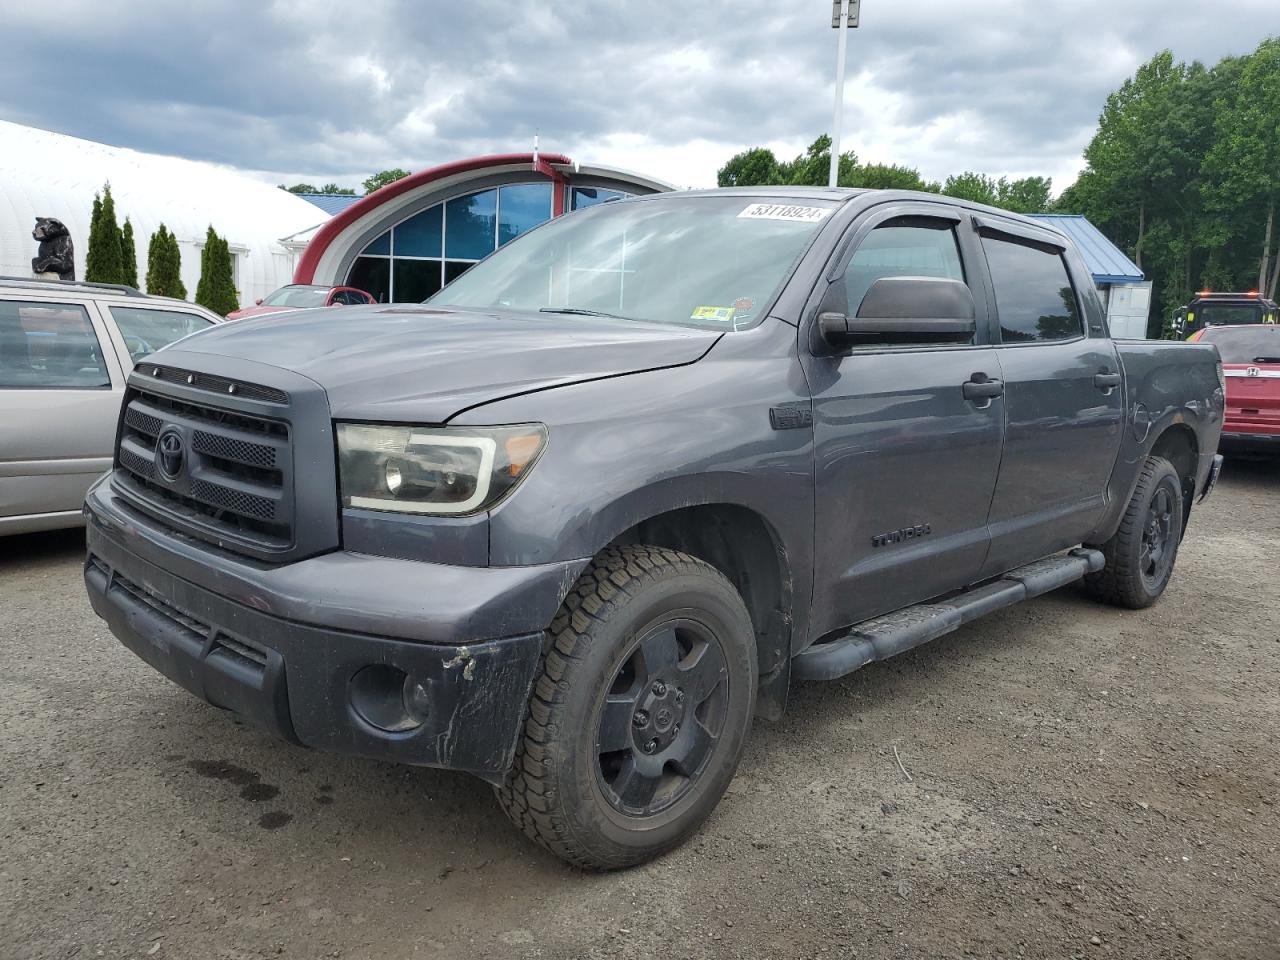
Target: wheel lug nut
[[640, 719], [675, 729], [659, 688], [651, 746], [679, 697]]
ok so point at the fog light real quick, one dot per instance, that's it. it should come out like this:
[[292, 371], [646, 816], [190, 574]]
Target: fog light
[[388, 698], [417, 699]]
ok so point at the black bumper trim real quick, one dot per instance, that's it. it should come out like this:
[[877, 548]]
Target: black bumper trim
[[293, 679], [1261, 442]]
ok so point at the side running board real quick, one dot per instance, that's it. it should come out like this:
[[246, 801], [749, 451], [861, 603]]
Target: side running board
[[894, 633]]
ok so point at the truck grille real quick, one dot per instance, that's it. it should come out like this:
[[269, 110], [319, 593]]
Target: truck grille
[[204, 468]]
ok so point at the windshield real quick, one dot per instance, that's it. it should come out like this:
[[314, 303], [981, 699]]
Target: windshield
[[1228, 314], [297, 297], [1257, 344], [700, 261]]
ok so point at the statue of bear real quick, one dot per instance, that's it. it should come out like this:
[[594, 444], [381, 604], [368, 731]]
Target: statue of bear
[[57, 254]]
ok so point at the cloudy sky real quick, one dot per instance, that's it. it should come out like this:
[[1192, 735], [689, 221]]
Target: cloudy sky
[[324, 90]]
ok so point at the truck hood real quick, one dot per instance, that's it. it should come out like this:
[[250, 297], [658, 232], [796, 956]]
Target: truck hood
[[406, 362]]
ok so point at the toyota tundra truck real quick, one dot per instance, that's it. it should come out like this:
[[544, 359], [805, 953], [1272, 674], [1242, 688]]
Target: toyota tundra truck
[[572, 523]]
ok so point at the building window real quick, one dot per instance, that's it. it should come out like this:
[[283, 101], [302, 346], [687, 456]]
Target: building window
[[580, 197], [420, 254]]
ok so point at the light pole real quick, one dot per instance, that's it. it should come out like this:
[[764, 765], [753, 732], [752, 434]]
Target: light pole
[[844, 17]]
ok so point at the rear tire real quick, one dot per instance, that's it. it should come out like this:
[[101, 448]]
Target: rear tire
[[640, 710], [1141, 553]]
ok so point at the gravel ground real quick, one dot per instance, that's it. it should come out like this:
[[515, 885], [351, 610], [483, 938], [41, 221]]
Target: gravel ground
[[1084, 782]]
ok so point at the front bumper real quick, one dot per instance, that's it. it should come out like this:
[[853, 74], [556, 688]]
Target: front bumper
[[308, 680]]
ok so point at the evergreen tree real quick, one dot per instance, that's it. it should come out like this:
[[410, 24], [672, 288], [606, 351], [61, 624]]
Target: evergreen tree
[[104, 259], [164, 265], [216, 290], [128, 255]]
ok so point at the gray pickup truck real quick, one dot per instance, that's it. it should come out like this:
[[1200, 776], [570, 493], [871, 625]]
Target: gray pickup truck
[[572, 523]]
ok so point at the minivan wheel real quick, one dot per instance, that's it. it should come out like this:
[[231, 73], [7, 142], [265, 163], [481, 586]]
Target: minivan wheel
[[640, 710], [1141, 553]]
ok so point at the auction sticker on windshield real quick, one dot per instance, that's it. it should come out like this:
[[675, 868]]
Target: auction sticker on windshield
[[784, 211], [721, 314]]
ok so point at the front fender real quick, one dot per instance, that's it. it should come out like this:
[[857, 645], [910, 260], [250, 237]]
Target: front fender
[[626, 449]]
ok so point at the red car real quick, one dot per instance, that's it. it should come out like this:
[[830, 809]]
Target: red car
[[300, 296], [1251, 366]]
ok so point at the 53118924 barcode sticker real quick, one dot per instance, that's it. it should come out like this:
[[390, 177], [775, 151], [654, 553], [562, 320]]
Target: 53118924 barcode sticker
[[784, 211]]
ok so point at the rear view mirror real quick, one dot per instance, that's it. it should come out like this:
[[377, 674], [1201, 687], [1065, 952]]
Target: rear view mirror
[[904, 310]]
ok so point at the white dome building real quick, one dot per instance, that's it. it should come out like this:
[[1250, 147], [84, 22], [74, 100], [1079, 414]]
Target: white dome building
[[45, 174]]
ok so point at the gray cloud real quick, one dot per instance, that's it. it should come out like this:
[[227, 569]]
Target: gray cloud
[[327, 90]]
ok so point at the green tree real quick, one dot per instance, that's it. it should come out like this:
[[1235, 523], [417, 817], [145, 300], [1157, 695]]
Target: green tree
[[379, 180], [329, 189], [104, 260], [1243, 166], [813, 167], [976, 187], [881, 176], [164, 265], [756, 167], [1028, 195], [128, 255], [216, 289]]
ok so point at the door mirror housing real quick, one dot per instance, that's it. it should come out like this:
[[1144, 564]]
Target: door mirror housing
[[904, 310]]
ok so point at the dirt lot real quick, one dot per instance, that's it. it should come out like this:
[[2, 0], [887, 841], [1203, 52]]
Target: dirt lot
[[1086, 782]]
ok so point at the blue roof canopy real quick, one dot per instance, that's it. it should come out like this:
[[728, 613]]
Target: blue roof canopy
[[330, 203], [1105, 260]]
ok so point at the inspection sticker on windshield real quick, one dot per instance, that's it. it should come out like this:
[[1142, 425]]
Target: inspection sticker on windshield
[[723, 314], [784, 211]]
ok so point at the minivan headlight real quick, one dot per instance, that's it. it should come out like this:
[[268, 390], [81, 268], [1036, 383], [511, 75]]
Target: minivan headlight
[[448, 471]]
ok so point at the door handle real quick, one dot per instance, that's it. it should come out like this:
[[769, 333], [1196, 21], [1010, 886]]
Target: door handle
[[983, 389], [1106, 381]]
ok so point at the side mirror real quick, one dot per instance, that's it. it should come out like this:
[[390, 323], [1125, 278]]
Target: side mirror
[[901, 310], [258, 302]]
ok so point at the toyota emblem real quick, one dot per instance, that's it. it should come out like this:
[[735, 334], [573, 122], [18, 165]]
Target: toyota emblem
[[170, 454]]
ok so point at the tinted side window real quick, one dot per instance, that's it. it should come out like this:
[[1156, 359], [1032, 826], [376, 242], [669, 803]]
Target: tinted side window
[[922, 248], [1034, 297], [49, 345], [146, 331]]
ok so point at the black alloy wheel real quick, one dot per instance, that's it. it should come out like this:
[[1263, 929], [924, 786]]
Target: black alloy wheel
[[661, 717], [640, 709], [1157, 537]]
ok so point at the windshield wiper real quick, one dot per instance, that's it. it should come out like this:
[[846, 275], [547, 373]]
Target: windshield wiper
[[582, 312], [1266, 359]]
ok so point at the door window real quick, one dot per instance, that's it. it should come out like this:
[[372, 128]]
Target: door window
[[146, 331], [1034, 297], [49, 345], [914, 247]]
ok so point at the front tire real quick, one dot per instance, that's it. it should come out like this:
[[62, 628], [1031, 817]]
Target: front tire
[[1141, 553], [640, 711]]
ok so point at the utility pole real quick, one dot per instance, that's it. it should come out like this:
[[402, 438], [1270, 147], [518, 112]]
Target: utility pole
[[844, 17]]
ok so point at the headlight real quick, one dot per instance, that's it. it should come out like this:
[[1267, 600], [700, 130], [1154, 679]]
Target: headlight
[[433, 470]]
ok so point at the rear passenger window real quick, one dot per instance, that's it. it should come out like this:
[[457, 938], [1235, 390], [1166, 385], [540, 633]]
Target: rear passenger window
[[1034, 297], [908, 247], [146, 331], [49, 345]]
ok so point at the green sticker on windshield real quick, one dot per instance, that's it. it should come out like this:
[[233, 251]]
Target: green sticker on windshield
[[722, 314]]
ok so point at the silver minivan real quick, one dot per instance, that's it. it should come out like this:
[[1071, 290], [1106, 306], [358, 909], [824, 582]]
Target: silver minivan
[[65, 351]]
